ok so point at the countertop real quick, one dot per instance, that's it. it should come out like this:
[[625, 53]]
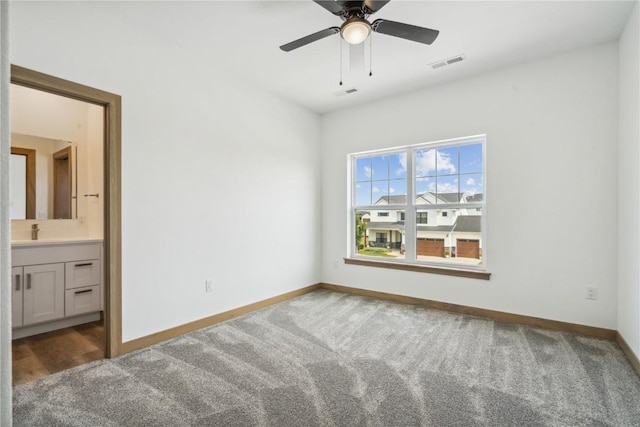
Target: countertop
[[57, 241]]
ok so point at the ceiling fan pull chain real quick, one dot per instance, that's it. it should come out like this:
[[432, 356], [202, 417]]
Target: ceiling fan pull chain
[[370, 56], [340, 41]]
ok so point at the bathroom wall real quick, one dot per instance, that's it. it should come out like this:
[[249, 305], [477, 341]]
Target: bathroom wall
[[36, 115]]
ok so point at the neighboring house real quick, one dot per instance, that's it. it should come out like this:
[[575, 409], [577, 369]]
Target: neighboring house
[[440, 232]]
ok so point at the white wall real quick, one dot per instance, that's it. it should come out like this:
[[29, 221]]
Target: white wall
[[6, 415], [551, 130], [629, 185], [208, 161]]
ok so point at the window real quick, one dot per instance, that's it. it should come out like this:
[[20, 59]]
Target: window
[[436, 193]]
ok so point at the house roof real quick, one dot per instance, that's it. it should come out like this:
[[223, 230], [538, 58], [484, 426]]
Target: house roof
[[443, 197], [399, 225], [464, 223], [470, 223]]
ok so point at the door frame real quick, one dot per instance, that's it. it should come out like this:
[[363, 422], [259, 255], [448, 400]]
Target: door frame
[[112, 188]]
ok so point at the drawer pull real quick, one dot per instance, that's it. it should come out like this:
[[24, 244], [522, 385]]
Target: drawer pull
[[17, 282], [83, 292], [84, 264], [28, 280]]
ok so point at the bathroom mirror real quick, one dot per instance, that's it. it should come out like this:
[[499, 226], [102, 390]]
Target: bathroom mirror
[[43, 178]]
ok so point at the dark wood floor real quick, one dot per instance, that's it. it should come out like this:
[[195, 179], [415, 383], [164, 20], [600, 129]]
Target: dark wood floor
[[41, 355]]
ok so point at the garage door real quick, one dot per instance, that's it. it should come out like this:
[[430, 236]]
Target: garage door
[[430, 247], [466, 248]]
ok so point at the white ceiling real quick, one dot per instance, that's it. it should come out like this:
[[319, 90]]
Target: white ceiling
[[243, 38]]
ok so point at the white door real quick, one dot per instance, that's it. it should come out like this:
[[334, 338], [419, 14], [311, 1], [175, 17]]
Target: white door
[[17, 285], [43, 293]]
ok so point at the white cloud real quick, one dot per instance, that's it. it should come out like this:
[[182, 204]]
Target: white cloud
[[375, 190], [471, 181], [426, 162], [391, 190], [368, 172], [402, 159]]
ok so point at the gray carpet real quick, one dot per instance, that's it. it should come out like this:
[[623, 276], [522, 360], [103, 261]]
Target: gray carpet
[[331, 359]]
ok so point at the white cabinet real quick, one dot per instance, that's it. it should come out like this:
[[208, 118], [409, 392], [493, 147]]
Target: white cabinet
[[55, 285], [82, 284], [43, 293]]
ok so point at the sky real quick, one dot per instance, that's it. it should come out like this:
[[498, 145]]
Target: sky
[[450, 169]]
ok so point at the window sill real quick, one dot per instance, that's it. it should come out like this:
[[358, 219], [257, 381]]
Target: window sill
[[447, 271]]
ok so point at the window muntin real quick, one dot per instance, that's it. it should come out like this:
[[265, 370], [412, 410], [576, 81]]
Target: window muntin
[[425, 191]]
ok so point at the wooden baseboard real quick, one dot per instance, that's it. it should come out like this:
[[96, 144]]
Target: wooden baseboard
[[167, 334], [481, 312], [626, 349], [556, 325]]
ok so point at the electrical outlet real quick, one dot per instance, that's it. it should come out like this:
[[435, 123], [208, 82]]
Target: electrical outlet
[[208, 285], [592, 292]]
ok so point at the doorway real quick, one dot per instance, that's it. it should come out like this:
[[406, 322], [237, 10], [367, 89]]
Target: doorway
[[111, 105]]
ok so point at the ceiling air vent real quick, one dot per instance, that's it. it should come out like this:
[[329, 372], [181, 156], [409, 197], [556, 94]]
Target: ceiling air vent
[[445, 62], [345, 91]]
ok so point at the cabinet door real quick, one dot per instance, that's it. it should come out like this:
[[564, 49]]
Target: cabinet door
[[17, 285], [43, 293]]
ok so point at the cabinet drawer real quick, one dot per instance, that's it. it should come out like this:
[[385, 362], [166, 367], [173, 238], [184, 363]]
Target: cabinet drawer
[[82, 273], [82, 300]]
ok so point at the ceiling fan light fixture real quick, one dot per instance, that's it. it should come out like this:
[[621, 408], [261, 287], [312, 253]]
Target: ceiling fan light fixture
[[355, 30]]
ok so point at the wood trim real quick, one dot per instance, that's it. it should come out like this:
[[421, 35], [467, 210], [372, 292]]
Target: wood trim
[[31, 179], [112, 191], [626, 349], [447, 271], [538, 322], [167, 334], [65, 153]]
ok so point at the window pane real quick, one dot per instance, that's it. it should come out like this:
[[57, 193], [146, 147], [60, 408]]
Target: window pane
[[452, 239], [380, 167], [363, 193], [425, 162], [448, 191], [471, 186], [425, 190], [398, 188], [398, 165], [380, 233], [447, 161], [363, 169], [471, 158], [379, 192]]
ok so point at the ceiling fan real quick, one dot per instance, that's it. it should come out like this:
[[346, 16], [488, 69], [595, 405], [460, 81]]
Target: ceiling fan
[[356, 28]]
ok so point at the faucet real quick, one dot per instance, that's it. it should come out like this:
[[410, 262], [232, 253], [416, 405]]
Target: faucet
[[34, 231]]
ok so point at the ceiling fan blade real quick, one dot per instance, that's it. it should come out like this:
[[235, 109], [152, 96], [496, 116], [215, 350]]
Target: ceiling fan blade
[[375, 5], [331, 6], [310, 39], [405, 31]]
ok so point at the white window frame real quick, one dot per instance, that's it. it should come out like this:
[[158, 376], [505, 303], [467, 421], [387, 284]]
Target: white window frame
[[411, 207]]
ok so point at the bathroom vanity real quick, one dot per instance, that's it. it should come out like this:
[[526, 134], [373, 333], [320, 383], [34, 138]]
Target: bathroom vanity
[[55, 284]]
